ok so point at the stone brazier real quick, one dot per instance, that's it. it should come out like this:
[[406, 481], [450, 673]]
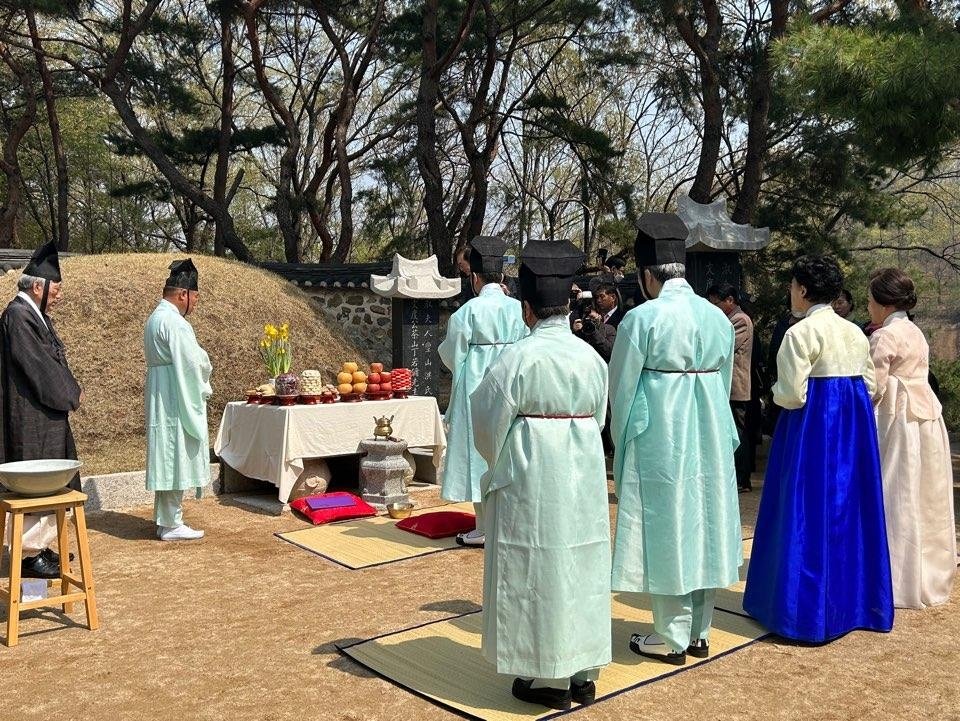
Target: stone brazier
[[382, 472]]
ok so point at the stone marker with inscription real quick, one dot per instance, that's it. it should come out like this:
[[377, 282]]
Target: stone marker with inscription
[[416, 288]]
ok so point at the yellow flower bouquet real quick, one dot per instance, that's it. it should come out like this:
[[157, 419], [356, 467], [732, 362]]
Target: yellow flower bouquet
[[275, 348]]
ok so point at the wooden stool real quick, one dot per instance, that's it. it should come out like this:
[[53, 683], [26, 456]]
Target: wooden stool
[[59, 503]]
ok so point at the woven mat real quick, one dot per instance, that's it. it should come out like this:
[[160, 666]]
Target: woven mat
[[365, 542], [422, 660], [731, 598]]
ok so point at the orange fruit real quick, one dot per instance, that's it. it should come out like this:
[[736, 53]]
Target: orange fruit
[[345, 388], [359, 387], [350, 367], [359, 377], [344, 377]]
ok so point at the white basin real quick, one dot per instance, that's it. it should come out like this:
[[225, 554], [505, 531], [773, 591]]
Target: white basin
[[38, 478]]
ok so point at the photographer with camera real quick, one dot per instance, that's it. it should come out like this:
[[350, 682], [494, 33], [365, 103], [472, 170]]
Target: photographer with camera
[[587, 323]]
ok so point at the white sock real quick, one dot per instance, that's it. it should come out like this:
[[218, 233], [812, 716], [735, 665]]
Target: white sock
[[558, 683]]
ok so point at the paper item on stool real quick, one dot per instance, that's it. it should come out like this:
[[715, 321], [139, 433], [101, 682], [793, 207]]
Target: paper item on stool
[[33, 590]]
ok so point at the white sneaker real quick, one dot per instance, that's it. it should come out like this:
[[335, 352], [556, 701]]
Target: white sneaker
[[182, 532], [652, 646], [473, 538]]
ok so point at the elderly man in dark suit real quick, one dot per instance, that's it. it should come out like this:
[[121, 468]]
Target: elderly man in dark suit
[[37, 393], [725, 297]]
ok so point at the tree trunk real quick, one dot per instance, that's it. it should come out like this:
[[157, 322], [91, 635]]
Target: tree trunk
[[441, 244], [701, 190], [226, 125], [343, 174], [758, 122], [62, 223], [706, 49], [180, 183], [287, 203], [10, 163]]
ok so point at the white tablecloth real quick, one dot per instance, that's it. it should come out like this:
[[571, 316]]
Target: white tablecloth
[[270, 443]]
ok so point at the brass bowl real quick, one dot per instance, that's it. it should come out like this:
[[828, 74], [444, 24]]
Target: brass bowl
[[399, 510]]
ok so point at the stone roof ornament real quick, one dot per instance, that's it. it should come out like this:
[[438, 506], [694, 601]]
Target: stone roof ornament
[[414, 279], [711, 228]]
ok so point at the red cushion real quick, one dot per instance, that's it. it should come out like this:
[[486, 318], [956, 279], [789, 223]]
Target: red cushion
[[357, 509], [439, 524]]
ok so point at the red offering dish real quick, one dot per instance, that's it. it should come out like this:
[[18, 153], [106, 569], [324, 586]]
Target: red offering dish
[[252, 398], [264, 400], [402, 381], [327, 398], [308, 400], [287, 400], [351, 397], [379, 395]]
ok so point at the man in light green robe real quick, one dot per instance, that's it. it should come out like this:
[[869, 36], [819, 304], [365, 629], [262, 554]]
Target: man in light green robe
[[476, 336], [176, 393], [678, 518], [537, 416]]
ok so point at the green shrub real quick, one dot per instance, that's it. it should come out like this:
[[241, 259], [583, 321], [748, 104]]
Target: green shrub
[[948, 374]]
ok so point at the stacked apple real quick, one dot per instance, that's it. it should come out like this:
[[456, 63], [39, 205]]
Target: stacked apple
[[351, 379], [379, 380]]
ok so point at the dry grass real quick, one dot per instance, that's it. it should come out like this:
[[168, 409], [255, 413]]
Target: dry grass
[[107, 300]]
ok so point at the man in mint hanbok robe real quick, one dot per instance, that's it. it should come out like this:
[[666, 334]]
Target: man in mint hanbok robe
[[176, 393], [678, 518], [476, 336], [537, 416]]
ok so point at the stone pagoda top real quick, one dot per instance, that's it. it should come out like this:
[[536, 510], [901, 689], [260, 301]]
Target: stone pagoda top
[[711, 228], [414, 279]]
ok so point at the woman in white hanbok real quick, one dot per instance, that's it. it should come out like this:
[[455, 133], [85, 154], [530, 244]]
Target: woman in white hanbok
[[914, 449]]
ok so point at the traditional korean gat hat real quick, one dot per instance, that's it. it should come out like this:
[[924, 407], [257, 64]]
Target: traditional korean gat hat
[[546, 271], [661, 239], [183, 274], [45, 263], [486, 254]]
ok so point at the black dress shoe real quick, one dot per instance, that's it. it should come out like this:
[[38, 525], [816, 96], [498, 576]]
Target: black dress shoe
[[550, 697], [53, 556], [39, 566], [652, 646], [699, 648], [583, 693]]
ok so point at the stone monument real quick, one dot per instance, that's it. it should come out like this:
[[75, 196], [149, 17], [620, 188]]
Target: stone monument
[[416, 288], [715, 243]]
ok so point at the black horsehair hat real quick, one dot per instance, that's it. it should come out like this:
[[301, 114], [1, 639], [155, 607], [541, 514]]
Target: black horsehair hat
[[183, 274], [486, 254], [661, 239], [546, 271], [45, 263]]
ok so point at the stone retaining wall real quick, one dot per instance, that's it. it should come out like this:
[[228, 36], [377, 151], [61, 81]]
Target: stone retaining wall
[[367, 320]]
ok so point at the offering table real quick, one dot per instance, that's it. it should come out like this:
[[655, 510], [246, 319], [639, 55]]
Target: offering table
[[271, 443]]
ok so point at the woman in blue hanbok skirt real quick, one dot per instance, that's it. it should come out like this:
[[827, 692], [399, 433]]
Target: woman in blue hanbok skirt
[[820, 566]]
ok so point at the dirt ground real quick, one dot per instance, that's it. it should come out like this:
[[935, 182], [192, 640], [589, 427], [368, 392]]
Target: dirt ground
[[242, 625]]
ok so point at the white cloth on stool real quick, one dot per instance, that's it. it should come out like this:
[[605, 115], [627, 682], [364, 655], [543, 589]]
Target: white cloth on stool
[[39, 532]]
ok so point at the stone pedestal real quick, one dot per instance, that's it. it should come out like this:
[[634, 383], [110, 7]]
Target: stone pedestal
[[382, 472]]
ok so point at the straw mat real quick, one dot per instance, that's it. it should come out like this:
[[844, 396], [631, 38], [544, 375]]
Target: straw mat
[[372, 541], [731, 598], [441, 661]]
